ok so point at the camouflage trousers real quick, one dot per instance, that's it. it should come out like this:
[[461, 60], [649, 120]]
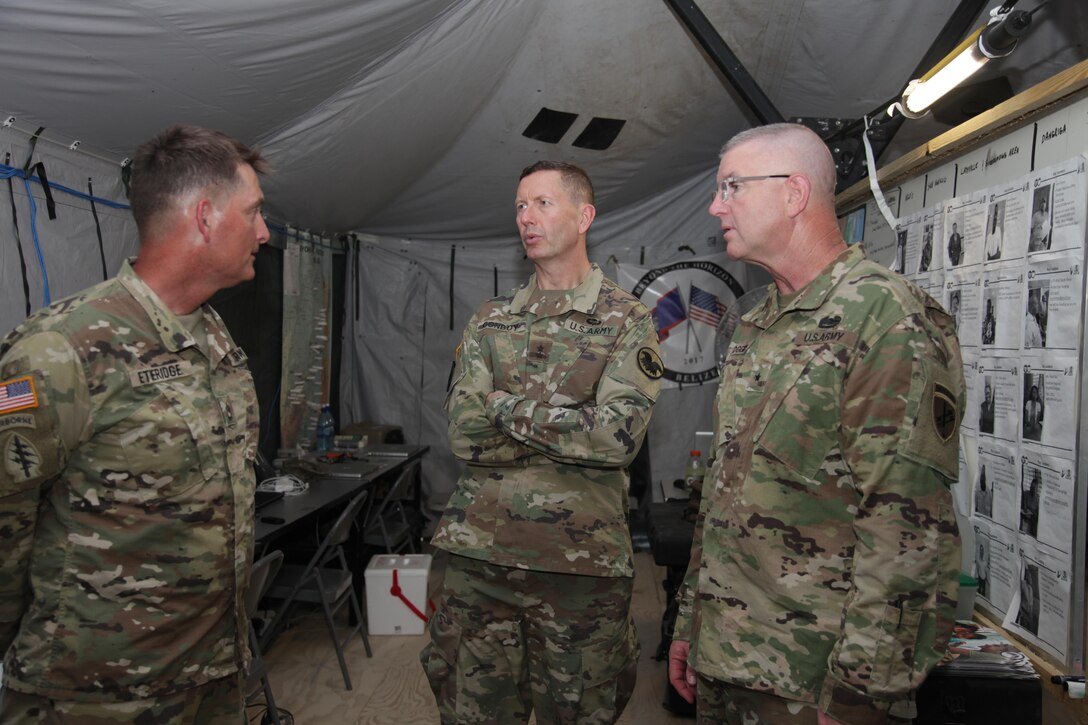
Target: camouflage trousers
[[506, 642], [217, 703], [718, 702]]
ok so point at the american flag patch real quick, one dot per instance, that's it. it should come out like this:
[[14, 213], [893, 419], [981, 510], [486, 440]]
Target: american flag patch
[[17, 394]]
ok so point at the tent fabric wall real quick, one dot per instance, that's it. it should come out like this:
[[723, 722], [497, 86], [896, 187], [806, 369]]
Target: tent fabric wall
[[405, 118], [398, 356], [69, 244]]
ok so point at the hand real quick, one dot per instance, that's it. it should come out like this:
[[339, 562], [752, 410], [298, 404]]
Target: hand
[[822, 718], [681, 676]]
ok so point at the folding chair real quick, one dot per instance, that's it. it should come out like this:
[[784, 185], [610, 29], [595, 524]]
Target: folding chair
[[261, 575], [387, 524], [325, 580]]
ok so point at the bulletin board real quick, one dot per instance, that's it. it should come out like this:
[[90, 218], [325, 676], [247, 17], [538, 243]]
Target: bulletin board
[[991, 222]]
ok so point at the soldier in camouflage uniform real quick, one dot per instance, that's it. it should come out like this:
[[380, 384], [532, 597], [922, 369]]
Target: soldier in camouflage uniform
[[824, 574], [126, 491], [552, 395]]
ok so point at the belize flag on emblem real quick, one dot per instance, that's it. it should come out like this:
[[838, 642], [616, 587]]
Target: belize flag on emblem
[[687, 299], [668, 313]]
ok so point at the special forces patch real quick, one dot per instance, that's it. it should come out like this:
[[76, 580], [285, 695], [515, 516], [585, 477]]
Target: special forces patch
[[21, 459], [649, 362], [945, 412]]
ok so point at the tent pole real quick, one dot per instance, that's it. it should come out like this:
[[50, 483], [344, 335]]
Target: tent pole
[[726, 60]]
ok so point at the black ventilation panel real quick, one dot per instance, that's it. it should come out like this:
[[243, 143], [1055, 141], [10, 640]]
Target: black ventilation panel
[[549, 126], [599, 133]]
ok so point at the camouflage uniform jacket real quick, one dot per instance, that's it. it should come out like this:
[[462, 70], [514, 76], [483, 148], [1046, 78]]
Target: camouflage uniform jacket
[[826, 556], [545, 486], [126, 499]]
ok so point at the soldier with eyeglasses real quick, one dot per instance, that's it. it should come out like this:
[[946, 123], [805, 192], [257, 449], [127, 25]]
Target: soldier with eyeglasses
[[824, 571]]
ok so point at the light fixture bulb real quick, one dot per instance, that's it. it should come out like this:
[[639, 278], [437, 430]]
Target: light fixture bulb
[[995, 40], [920, 95]]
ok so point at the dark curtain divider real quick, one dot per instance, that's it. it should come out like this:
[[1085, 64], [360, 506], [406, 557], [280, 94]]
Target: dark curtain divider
[[253, 312]]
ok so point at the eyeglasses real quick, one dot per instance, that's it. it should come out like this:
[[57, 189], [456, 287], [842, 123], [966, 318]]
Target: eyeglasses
[[728, 186]]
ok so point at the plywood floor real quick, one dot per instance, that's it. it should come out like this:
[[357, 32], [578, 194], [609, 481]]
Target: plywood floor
[[390, 688]]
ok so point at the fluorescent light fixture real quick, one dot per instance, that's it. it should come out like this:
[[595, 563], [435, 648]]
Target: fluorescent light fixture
[[995, 40]]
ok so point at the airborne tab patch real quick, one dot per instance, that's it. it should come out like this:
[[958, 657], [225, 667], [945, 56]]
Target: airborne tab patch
[[18, 394], [160, 373], [18, 420], [945, 413]]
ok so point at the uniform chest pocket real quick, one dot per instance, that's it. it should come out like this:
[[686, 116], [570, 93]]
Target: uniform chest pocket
[[799, 421], [725, 401], [161, 448], [577, 374]]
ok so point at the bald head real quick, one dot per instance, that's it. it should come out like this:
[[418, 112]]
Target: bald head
[[792, 148]]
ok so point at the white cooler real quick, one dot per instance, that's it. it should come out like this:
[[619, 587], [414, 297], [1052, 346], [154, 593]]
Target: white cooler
[[388, 614]]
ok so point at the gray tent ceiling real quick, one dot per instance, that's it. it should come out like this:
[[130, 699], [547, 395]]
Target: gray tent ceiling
[[405, 118]]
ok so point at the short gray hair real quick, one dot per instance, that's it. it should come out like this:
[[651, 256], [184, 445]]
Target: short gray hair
[[812, 155]]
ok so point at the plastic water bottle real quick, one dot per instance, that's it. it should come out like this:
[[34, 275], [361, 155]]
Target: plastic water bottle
[[326, 429], [693, 474]]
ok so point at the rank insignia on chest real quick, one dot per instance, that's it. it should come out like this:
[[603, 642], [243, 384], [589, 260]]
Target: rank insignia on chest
[[945, 413]]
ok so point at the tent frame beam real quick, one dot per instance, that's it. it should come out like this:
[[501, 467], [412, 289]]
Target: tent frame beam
[[726, 61], [842, 136]]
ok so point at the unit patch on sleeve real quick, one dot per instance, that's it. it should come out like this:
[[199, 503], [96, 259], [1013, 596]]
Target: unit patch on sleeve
[[21, 459], [649, 362], [945, 413], [18, 394]]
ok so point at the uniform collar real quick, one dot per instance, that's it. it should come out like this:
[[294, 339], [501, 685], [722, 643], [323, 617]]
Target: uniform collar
[[582, 298], [813, 295], [174, 335]]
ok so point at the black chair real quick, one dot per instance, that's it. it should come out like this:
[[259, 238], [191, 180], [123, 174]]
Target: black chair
[[671, 532], [261, 576], [325, 580], [388, 525]]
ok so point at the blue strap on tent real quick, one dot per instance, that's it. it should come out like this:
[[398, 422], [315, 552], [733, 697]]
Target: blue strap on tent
[[10, 172], [47, 297]]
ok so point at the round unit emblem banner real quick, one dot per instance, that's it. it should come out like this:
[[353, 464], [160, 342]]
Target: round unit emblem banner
[[687, 300]]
